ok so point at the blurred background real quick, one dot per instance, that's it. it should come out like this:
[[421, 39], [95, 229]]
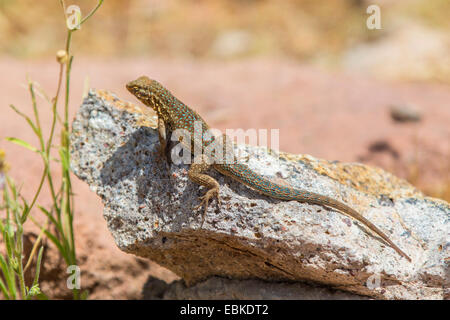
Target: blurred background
[[412, 44], [311, 68]]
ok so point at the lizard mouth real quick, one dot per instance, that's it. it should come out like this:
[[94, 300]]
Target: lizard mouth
[[132, 87]]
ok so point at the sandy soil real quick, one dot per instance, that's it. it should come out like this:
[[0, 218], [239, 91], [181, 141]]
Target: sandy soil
[[329, 115]]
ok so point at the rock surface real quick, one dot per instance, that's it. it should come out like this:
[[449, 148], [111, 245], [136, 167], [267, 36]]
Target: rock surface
[[148, 208]]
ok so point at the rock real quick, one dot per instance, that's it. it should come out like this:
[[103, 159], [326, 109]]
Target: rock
[[405, 113], [230, 289], [148, 207]]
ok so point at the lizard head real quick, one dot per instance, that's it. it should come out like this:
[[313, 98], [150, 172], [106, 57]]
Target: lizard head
[[146, 90]]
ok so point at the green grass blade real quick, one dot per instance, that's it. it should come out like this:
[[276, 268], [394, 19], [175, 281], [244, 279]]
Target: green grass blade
[[38, 266], [64, 159], [30, 122], [9, 276], [8, 236], [22, 143], [90, 14], [57, 243], [3, 289], [51, 218]]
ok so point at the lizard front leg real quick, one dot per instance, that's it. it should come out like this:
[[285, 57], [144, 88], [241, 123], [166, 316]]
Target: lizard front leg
[[196, 175], [164, 137]]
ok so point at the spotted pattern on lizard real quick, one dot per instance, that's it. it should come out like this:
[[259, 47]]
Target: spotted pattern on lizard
[[174, 114]]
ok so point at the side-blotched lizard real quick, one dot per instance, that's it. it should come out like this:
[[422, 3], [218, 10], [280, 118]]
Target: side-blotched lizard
[[174, 114]]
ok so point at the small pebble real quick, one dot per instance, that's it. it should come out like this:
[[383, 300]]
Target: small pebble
[[405, 113]]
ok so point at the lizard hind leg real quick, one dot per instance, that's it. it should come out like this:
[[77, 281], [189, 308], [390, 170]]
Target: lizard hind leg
[[196, 175]]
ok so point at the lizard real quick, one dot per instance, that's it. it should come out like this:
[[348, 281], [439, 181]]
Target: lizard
[[174, 114]]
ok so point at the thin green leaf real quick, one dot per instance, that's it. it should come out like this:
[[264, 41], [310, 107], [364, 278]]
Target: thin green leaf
[[4, 290], [90, 14], [64, 158], [57, 243], [30, 122], [33, 101], [25, 211], [9, 237], [38, 266], [22, 143], [51, 218], [13, 189], [62, 249], [9, 277]]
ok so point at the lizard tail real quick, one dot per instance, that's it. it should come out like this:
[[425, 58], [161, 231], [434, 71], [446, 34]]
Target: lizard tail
[[267, 187], [322, 200]]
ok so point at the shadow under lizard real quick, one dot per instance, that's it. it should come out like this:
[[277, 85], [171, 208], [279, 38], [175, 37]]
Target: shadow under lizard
[[174, 114]]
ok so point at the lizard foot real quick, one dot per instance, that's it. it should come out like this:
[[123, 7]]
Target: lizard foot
[[211, 193]]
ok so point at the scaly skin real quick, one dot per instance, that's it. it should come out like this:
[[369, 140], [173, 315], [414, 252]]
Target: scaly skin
[[174, 114]]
